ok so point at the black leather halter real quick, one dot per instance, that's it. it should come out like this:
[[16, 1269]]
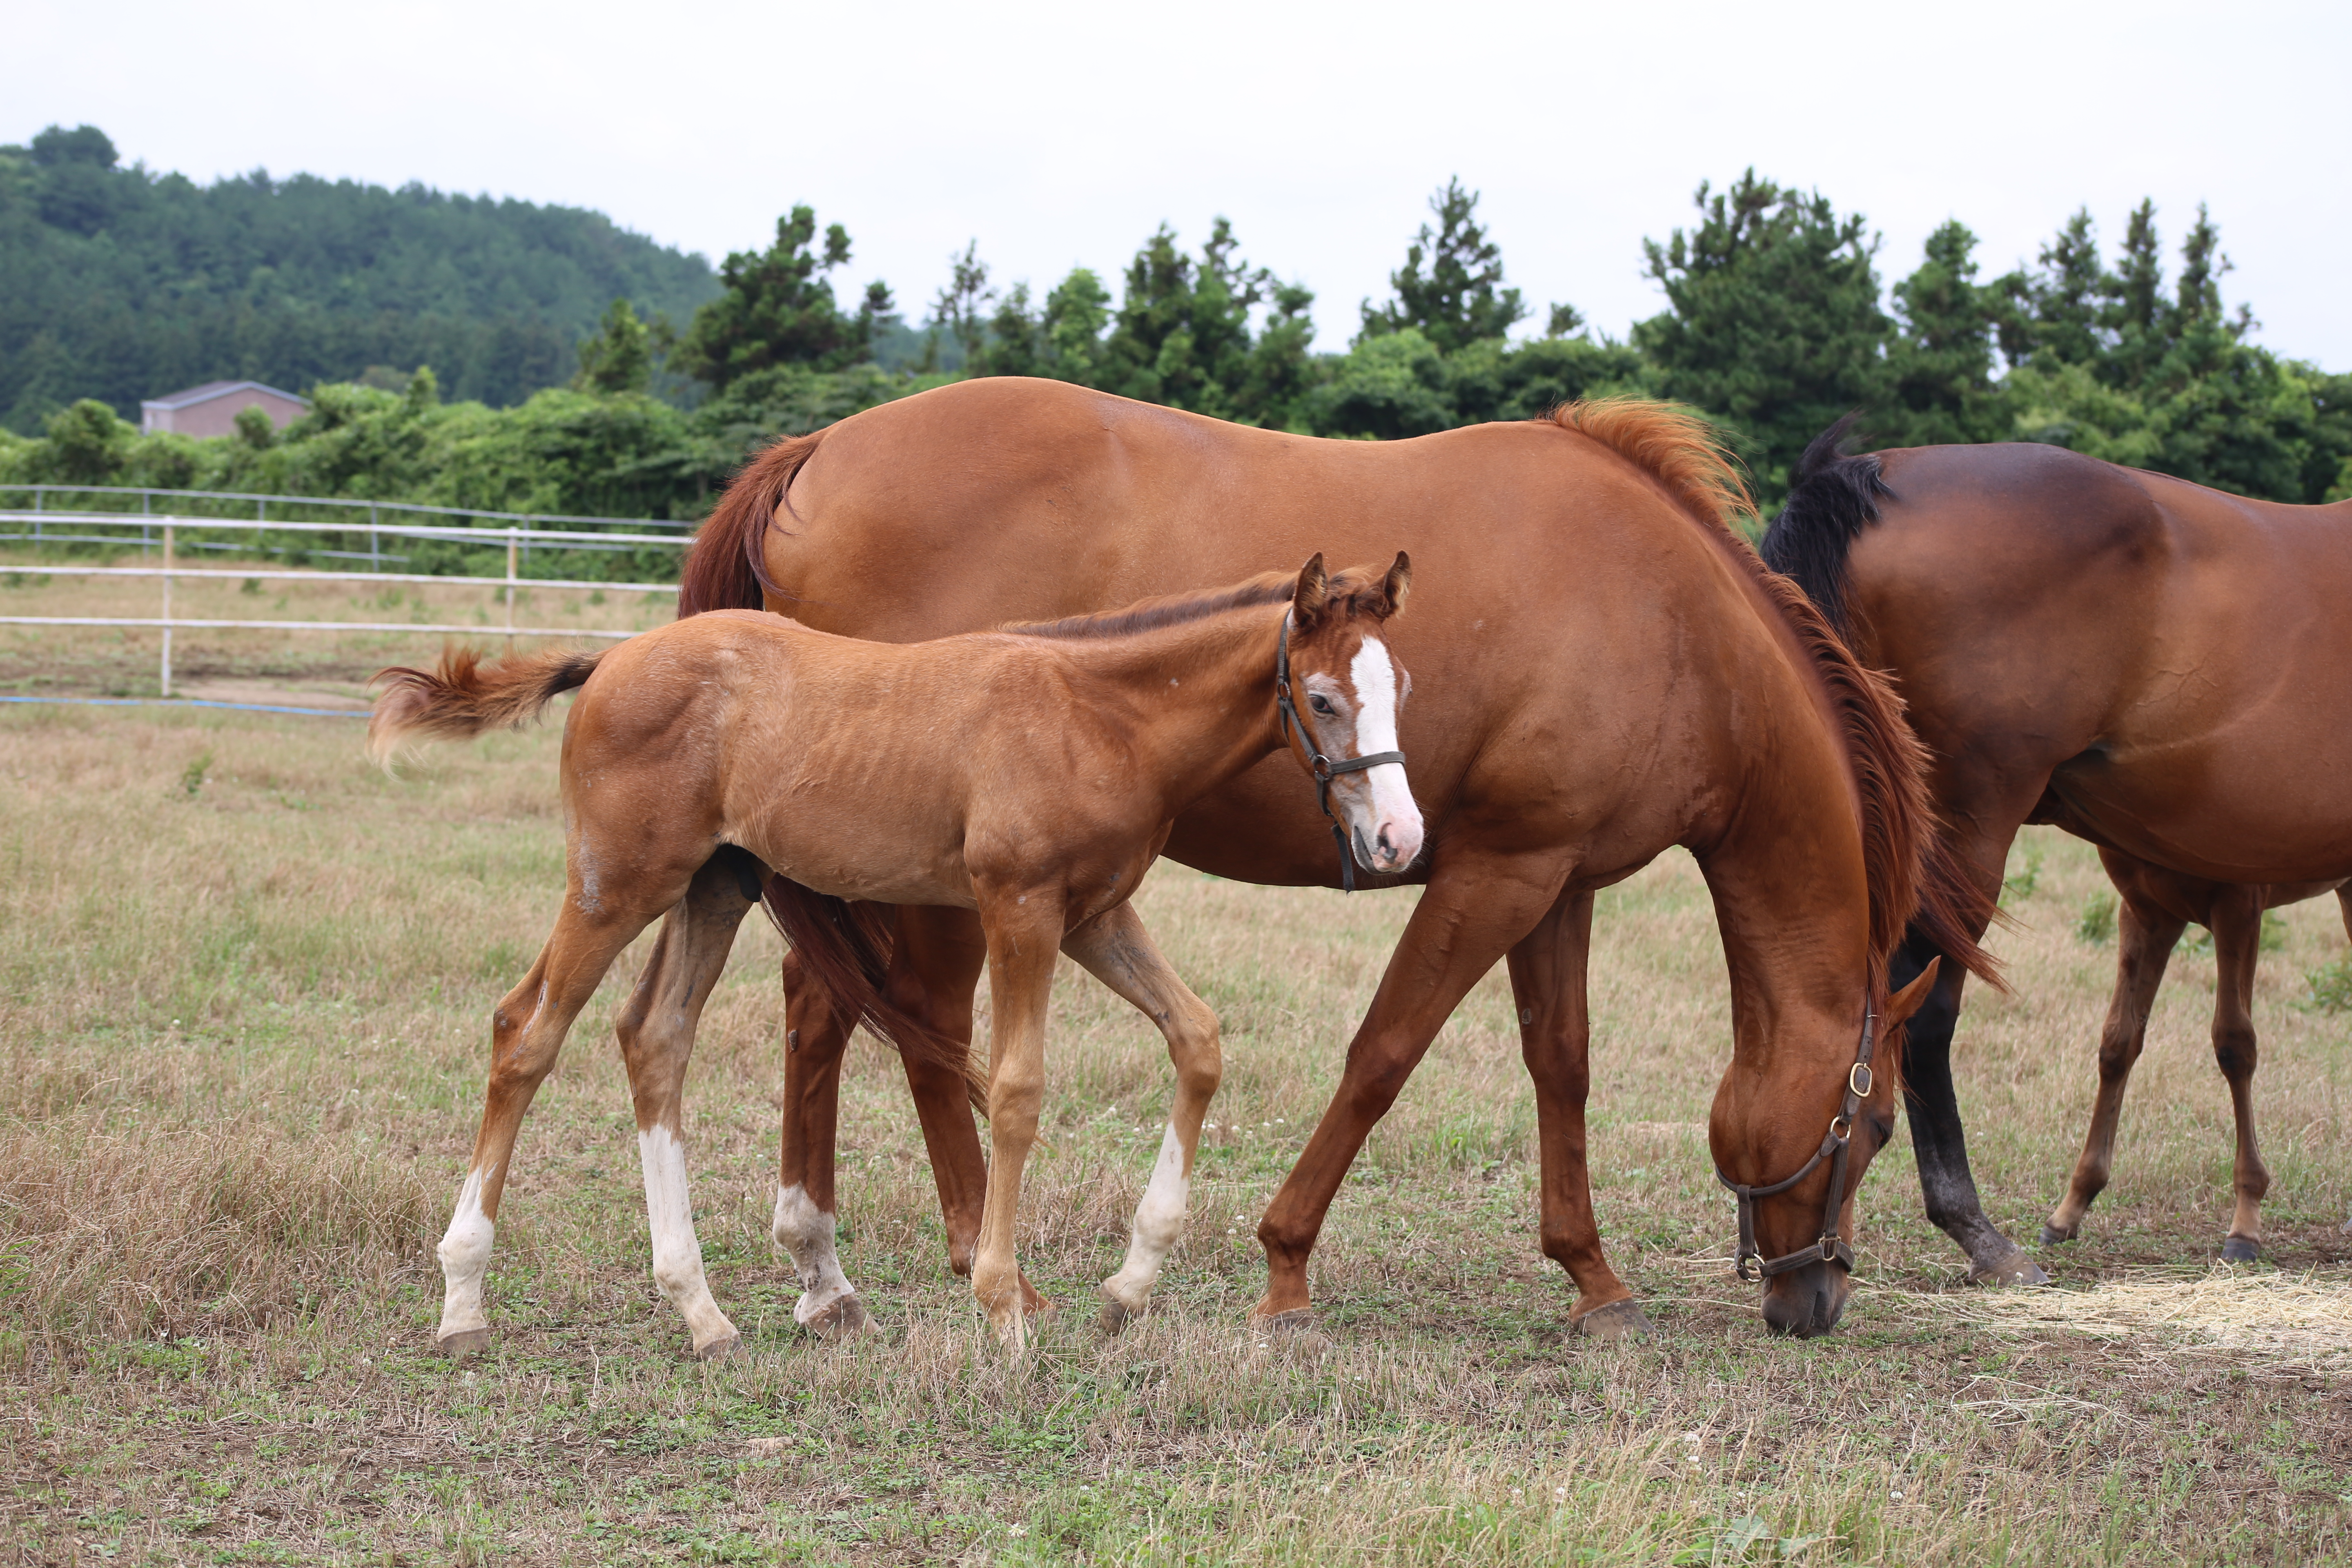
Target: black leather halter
[[1832, 1248], [1325, 770]]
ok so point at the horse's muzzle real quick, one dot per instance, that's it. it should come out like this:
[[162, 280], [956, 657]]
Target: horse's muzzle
[[1807, 1301]]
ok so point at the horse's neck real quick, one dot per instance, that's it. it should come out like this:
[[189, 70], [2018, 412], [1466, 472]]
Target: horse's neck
[[1201, 692], [1791, 901]]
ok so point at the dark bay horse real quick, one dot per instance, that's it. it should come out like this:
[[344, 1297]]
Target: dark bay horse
[[1611, 672], [2157, 667], [2155, 906], [1026, 778]]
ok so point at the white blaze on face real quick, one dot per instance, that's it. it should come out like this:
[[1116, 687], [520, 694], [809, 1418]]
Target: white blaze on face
[[1375, 678], [678, 1254], [465, 1253], [807, 1233]]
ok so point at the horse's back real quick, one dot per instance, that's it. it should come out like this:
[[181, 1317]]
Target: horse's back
[[2172, 655]]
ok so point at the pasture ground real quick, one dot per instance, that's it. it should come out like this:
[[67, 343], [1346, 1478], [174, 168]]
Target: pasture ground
[[244, 988]]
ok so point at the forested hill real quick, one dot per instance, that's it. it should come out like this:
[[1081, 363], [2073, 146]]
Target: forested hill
[[120, 284]]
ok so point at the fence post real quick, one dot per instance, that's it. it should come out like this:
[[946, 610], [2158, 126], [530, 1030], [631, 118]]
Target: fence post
[[169, 536], [375, 551], [513, 542]]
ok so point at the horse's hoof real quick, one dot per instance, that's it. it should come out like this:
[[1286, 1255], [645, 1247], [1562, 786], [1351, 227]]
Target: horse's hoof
[[718, 1350], [463, 1343], [2052, 1236], [1295, 1320], [2240, 1249], [2016, 1269], [1114, 1317], [1613, 1323], [842, 1316]]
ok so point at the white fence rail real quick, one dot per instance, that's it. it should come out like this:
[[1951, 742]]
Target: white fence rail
[[514, 540]]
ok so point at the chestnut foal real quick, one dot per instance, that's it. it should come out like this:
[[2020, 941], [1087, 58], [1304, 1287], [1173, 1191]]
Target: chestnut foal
[[1030, 774]]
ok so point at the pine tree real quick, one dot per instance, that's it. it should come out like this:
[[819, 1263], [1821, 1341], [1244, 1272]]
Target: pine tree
[[1451, 286]]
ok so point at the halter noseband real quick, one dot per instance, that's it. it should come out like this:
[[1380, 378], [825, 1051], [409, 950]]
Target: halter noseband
[[1832, 1248], [1325, 770]]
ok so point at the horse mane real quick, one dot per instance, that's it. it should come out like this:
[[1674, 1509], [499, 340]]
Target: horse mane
[[724, 569], [1169, 610], [1913, 878], [1834, 497]]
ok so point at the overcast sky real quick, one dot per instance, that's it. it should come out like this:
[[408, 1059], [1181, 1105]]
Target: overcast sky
[[1061, 134]]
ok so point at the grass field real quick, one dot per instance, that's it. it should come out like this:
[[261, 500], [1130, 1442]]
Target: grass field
[[244, 989]]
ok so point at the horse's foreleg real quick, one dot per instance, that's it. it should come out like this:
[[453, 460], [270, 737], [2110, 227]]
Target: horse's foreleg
[[1116, 950], [2145, 936], [1025, 935], [656, 1033], [526, 1033], [2237, 942], [1547, 983], [1474, 909]]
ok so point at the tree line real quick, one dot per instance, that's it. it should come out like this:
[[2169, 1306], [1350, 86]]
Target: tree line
[[1777, 321], [122, 284]]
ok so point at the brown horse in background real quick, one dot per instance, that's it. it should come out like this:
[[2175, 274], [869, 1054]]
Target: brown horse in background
[[1611, 672], [2154, 906], [2157, 667], [1029, 779]]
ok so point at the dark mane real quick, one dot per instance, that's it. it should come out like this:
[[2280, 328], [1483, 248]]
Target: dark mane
[[1835, 499], [1174, 610], [1915, 879]]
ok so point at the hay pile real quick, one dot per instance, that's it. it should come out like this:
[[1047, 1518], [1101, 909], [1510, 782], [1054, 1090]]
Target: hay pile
[[2285, 1320]]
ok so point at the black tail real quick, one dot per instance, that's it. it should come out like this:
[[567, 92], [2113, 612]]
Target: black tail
[[1833, 500], [845, 951]]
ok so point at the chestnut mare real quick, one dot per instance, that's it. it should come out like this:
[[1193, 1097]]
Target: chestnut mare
[[2157, 905], [2157, 667], [1612, 672], [1029, 778]]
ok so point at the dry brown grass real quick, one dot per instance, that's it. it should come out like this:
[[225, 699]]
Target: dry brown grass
[[243, 1020]]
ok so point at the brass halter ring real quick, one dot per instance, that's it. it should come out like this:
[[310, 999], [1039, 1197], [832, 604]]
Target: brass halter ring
[[1832, 1248], [1325, 769]]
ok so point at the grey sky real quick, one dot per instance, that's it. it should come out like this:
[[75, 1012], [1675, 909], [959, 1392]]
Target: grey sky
[[1060, 134]]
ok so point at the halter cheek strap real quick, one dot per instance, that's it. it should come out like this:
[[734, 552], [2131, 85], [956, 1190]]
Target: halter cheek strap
[[1832, 1248], [1325, 770]]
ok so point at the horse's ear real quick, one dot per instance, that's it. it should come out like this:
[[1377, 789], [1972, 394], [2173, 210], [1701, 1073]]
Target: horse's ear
[[1906, 1002], [1313, 594], [1394, 586]]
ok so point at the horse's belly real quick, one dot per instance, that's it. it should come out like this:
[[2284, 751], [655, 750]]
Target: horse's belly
[[858, 855], [2264, 816]]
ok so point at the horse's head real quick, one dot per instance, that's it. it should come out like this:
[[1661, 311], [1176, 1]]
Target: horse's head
[[1802, 1233], [1347, 691]]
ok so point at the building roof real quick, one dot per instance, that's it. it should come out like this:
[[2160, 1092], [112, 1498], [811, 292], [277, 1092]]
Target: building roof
[[212, 389]]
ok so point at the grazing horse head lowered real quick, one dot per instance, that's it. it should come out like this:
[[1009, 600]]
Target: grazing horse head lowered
[[1029, 774]]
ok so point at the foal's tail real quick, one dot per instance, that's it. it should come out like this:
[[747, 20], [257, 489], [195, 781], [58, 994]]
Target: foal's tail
[[463, 697]]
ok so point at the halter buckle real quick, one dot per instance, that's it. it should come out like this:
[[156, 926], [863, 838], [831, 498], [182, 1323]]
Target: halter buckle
[[1830, 1248], [1858, 1081]]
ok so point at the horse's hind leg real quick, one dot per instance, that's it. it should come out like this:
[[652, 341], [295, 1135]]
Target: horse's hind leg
[[1116, 950], [935, 962], [656, 1032], [2237, 942], [2146, 934], [527, 1032], [816, 1034]]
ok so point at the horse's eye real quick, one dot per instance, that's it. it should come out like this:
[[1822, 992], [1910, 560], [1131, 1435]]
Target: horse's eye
[[1320, 703]]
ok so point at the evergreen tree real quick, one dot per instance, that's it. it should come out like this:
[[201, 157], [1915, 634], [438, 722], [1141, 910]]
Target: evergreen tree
[[1181, 335], [776, 309], [1940, 359], [1450, 287], [1775, 327], [620, 357]]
